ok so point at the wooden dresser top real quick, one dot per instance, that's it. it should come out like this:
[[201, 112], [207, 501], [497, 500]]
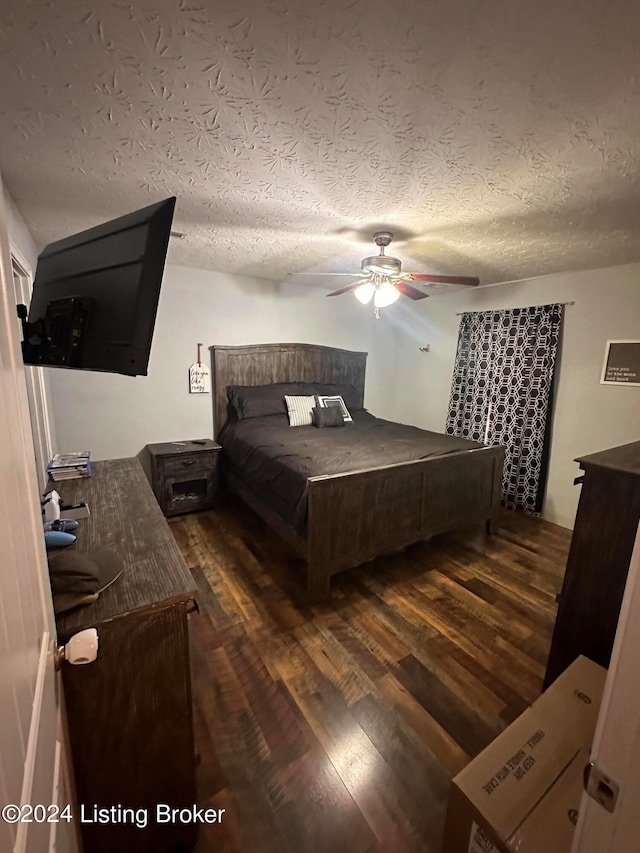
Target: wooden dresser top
[[125, 518], [625, 458]]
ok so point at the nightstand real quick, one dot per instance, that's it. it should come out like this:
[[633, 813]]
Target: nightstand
[[184, 475]]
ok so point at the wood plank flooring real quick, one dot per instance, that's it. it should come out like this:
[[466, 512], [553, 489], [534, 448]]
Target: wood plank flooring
[[338, 727]]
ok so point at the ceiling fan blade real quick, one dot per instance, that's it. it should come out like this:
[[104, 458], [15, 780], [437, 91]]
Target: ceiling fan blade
[[446, 279], [407, 290], [345, 289]]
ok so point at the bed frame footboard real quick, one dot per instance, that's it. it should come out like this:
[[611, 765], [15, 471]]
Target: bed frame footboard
[[355, 517]]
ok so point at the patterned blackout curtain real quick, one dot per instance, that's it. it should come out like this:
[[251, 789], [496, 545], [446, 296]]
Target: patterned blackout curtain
[[502, 392]]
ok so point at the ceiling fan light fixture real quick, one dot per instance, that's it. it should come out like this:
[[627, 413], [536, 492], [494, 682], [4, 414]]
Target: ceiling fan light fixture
[[382, 265], [364, 293], [386, 294]]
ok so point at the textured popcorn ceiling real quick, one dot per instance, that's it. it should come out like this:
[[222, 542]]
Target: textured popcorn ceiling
[[500, 139]]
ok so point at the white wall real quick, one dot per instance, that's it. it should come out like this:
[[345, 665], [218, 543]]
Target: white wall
[[115, 416], [588, 417]]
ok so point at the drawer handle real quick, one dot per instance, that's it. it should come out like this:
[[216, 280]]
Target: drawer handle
[[578, 481], [187, 462]]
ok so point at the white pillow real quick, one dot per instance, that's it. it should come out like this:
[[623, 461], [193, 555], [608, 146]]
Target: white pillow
[[326, 401], [300, 410]]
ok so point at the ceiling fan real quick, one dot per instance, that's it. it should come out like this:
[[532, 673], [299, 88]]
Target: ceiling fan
[[382, 279]]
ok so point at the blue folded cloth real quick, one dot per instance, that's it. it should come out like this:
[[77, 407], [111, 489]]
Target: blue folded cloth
[[57, 539]]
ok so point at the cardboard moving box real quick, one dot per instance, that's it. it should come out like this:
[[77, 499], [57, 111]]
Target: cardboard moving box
[[522, 793]]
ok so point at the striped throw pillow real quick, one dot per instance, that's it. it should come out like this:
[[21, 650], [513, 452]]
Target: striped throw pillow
[[300, 410]]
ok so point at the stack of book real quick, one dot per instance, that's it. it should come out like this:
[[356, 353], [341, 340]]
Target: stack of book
[[69, 466]]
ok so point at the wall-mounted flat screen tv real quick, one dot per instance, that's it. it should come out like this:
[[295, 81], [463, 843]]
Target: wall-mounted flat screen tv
[[95, 295]]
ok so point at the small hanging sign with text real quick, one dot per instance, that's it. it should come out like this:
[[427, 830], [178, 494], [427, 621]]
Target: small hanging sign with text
[[199, 380], [621, 363]]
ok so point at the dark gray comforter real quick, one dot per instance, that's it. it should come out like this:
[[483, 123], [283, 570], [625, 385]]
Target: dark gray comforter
[[275, 460]]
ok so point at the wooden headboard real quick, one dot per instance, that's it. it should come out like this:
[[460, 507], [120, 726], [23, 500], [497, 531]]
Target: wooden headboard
[[265, 364]]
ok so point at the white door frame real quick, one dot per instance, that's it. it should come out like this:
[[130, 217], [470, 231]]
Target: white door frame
[[35, 379], [616, 745]]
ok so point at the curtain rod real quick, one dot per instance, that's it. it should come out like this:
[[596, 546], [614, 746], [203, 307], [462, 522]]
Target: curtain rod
[[460, 313]]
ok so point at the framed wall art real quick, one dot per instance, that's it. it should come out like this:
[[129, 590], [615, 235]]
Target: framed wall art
[[621, 363]]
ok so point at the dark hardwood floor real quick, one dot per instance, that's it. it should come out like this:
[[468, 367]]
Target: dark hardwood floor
[[338, 727]]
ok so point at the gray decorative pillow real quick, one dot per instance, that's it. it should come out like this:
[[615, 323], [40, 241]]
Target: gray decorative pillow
[[299, 410], [330, 416]]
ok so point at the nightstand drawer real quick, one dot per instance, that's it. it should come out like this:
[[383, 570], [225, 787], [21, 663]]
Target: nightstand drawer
[[185, 462]]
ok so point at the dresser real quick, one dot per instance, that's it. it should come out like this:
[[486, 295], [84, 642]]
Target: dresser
[[601, 547], [129, 712]]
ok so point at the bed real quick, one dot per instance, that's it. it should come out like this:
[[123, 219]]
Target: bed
[[418, 485]]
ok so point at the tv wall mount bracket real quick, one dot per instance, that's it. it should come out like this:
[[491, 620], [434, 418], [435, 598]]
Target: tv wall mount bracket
[[58, 337]]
